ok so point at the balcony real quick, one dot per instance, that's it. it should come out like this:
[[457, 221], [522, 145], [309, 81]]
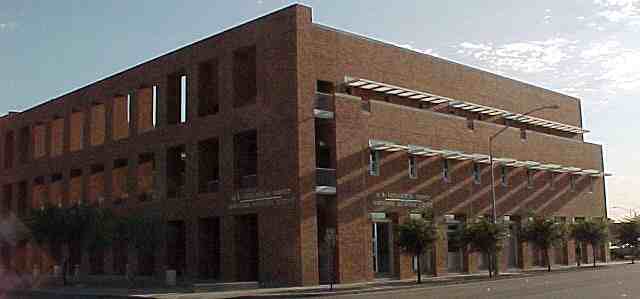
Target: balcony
[[326, 181], [323, 105]]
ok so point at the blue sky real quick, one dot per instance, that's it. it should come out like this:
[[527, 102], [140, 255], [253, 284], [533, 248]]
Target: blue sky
[[586, 48]]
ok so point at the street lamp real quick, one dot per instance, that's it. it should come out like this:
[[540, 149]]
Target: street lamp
[[493, 188], [491, 138]]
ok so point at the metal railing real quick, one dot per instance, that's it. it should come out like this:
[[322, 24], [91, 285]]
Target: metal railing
[[326, 177], [323, 101]]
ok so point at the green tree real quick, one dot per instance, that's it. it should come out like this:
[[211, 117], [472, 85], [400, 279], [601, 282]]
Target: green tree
[[592, 232], [628, 234], [483, 236], [143, 233], [416, 236], [544, 233]]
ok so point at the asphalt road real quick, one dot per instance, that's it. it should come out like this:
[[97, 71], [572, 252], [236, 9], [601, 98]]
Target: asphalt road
[[611, 282]]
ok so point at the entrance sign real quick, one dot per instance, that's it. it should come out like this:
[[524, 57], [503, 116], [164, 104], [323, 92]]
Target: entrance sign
[[261, 199]]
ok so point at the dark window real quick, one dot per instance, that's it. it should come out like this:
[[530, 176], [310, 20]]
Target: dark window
[[22, 198], [374, 163], [503, 175], [24, 142], [208, 165], [208, 88], [9, 147], [244, 76], [470, 124], [246, 153], [413, 167], [530, 174], [445, 170], [177, 98], [552, 180], [176, 168], [7, 198], [476, 173], [523, 134], [572, 182], [324, 86]]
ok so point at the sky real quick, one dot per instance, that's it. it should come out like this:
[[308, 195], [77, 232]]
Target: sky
[[585, 48]]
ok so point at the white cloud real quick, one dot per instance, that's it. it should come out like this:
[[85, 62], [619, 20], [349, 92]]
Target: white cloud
[[620, 11], [527, 57], [416, 49]]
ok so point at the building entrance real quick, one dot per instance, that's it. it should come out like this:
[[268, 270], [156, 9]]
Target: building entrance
[[381, 241]]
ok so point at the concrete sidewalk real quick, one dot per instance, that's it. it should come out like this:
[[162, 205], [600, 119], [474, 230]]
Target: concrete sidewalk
[[298, 292]]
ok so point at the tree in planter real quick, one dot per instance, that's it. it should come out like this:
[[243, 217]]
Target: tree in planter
[[47, 226], [592, 232], [483, 236], [543, 233], [416, 236], [628, 234]]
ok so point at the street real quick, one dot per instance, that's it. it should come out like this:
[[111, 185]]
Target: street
[[613, 282]]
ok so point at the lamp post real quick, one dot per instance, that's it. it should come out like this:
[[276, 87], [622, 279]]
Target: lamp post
[[493, 188]]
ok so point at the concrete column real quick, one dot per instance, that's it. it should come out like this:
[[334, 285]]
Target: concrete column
[[161, 95], [227, 257], [441, 250], [108, 121], [133, 114], [132, 176]]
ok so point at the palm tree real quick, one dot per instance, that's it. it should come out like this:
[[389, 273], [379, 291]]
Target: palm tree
[[483, 236], [592, 232], [544, 233], [416, 236]]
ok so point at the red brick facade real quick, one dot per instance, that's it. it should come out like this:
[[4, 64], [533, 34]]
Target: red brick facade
[[107, 143]]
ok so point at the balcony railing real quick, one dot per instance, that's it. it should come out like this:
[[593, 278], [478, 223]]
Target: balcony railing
[[323, 105], [323, 101], [326, 177]]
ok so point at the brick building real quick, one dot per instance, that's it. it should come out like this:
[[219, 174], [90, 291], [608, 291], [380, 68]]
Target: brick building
[[261, 144]]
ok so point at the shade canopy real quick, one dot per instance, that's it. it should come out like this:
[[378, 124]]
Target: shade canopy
[[418, 150], [459, 104]]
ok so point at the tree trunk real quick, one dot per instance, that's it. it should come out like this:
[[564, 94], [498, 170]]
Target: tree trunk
[[419, 269], [593, 248], [546, 255], [579, 257], [490, 264]]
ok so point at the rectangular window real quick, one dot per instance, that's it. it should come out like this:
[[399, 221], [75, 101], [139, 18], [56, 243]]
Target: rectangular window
[[208, 168], [75, 186], [39, 140], [208, 88], [413, 167], [23, 145], [374, 163], [155, 106], [76, 131], [572, 182], [176, 171], [119, 176], [7, 198], [552, 180], [530, 174], [22, 198], [146, 168], [592, 183], [9, 147], [38, 193], [244, 76], [476, 173], [246, 155], [57, 136], [523, 134], [145, 109], [96, 183], [503, 175], [97, 124], [177, 98], [56, 191], [445, 170], [470, 124], [120, 117]]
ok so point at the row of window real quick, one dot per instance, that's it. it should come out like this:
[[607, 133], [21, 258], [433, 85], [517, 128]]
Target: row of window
[[178, 165], [145, 101], [374, 170]]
